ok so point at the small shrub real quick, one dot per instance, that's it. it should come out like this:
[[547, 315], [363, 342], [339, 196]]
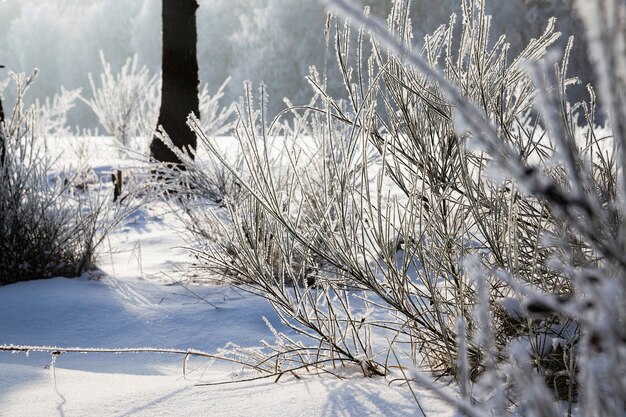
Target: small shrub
[[214, 119], [49, 226], [126, 103], [51, 114]]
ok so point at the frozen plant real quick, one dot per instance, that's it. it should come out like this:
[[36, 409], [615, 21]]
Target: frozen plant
[[126, 102], [397, 225], [51, 114], [215, 120], [51, 224], [477, 158], [244, 242], [579, 182]]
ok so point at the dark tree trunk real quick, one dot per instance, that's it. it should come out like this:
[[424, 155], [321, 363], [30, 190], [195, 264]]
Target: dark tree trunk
[[179, 93], [2, 139]]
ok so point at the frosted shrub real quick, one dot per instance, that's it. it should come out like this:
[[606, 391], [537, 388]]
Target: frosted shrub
[[51, 114], [126, 103], [244, 242], [333, 209], [49, 224], [215, 120], [488, 224], [572, 336]]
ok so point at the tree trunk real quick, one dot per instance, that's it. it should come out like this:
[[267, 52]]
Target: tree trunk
[[179, 92], [2, 138]]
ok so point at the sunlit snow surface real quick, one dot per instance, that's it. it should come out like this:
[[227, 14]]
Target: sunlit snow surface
[[138, 302]]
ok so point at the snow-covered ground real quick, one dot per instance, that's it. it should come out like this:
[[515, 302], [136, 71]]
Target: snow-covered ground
[[139, 300]]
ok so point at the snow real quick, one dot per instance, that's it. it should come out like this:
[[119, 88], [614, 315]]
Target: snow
[[29, 391], [140, 299]]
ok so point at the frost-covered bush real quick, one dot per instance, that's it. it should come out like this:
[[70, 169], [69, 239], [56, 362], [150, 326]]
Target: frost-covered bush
[[126, 103], [52, 114], [331, 207], [50, 222], [215, 120], [488, 224], [571, 340], [242, 242]]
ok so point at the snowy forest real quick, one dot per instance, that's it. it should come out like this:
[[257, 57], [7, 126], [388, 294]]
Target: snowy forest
[[270, 41], [333, 207]]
